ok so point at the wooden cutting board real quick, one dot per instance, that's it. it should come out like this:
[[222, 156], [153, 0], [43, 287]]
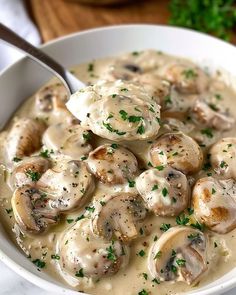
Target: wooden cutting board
[[56, 18]]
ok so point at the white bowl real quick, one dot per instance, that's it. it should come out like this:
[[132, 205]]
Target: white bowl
[[24, 77]]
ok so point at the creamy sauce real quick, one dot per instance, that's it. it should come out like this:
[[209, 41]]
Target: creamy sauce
[[135, 276]]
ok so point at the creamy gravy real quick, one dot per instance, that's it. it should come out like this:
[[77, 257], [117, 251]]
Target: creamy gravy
[[135, 277]]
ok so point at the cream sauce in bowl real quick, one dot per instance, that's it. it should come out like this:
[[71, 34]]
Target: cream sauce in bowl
[[159, 103]]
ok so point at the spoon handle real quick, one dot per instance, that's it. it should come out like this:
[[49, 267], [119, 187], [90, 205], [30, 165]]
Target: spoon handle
[[39, 56]]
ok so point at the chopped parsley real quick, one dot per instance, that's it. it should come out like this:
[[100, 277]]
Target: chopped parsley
[[180, 262], [173, 268], [87, 136], [69, 220], [34, 175], [80, 218], [90, 67], [213, 191], [208, 132], [141, 253], [80, 273], [189, 74], [123, 115], [134, 119], [111, 253], [145, 275], [9, 210], [16, 159], [167, 100], [131, 183], [155, 187], [114, 145], [158, 255], [143, 292], [198, 225], [109, 128], [45, 154], [164, 192], [182, 219], [223, 164], [124, 89], [160, 168], [141, 129], [90, 209], [39, 263], [55, 256], [165, 226]]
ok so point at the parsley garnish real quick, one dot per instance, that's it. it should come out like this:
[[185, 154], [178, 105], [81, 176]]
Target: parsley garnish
[[80, 273], [141, 253], [155, 187], [165, 226], [131, 183], [39, 263], [165, 192], [111, 253], [45, 154], [34, 175], [55, 256], [208, 132], [180, 262]]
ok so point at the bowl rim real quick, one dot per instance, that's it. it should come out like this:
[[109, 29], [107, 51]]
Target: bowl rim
[[53, 287]]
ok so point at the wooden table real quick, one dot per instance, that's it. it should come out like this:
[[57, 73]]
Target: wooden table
[[56, 18]]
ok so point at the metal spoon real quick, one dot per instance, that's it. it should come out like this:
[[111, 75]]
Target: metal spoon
[[71, 83]]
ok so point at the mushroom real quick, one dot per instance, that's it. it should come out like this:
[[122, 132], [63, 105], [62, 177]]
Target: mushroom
[[118, 216], [116, 110], [203, 114], [177, 150], [157, 87], [84, 255], [113, 164], [214, 203], [165, 192], [132, 65], [24, 138], [187, 78], [70, 186], [50, 102], [51, 97], [175, 125], [29, 171], [70, 140], [31, 209], [223, 157], [180, 254]]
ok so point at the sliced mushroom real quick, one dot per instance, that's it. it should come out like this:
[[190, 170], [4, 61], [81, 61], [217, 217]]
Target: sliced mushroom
[[31, 209], [180, 254], [131, 65], [187, 78], [165, 192], [157, 87], [203, 114], [223, 157], [116, 110], [70, 140], [83, 254], [113, 164], [24, 138], [118, 216], [70, 186], [177, 150], [214, 203], [51, 97], [50, 102], [175, 125], [29, 171]]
